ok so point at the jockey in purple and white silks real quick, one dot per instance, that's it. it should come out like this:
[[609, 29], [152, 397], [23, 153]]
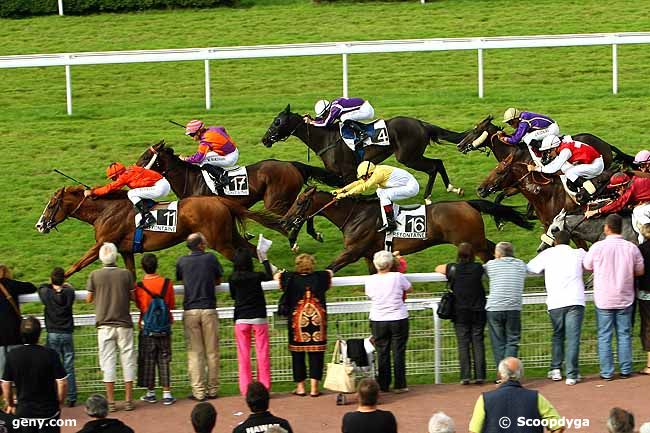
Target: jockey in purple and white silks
[[347, 110], [529, 127]]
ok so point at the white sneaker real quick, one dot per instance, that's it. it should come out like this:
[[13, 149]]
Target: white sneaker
[[572, 382], [555, 374]]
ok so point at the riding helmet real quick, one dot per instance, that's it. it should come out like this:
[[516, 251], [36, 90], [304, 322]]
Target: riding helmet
[[618, 179], [114, 170], [549, 142], [365, 168], [193, 126], [511, 113], [321, 107], [642, 157]]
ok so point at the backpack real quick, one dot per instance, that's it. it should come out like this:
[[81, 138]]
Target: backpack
[[156, 318]]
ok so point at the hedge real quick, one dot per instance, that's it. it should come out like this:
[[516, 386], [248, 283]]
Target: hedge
[[24, 8]]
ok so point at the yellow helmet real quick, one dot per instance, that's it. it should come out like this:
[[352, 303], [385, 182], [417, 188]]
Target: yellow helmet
[[511, 113], [364, 169]]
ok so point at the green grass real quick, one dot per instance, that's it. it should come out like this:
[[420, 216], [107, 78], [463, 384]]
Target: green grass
[[120, 109]]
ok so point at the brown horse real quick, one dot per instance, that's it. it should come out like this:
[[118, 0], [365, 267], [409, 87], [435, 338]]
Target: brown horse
[[450, 222], [112, 217], [276, 183]]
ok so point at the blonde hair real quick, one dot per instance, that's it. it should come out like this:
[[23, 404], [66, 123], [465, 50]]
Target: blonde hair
[[305, 264], [5, 272]]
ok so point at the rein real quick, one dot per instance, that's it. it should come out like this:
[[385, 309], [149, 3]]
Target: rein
[[545, 181], [334, 200]]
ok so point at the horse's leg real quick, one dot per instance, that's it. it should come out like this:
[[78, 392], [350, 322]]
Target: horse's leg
[[90, 256], [431, 167], [129, 262], [371, 266], [345, 258], [312, 231], [486, 253]]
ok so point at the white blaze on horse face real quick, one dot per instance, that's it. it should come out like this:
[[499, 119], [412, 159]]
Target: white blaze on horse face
[[39, 224], [152, 162], [477, 142]]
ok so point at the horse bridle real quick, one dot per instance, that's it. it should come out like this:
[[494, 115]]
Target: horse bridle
[[153, 160], [49, 224]]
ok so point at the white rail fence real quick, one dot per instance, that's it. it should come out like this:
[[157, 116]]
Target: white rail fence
[[431, 349], [344, 49]]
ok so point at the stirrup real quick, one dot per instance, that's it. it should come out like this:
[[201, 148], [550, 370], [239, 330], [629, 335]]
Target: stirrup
[[589, 187]]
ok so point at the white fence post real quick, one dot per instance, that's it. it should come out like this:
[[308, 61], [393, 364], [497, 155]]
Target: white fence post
[[345, 75], [436, 345], [208, 97], [68, 88], [61, 7], [614, 69], [480, 72]]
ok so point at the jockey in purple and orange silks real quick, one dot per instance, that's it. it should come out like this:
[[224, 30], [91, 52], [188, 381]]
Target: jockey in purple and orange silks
[[347, 110], [216, 152]]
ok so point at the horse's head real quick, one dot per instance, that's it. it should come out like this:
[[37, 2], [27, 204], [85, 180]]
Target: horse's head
[[151, 158], [299, 211], [63, 204], [479, 137], [500, 177], [281, 128]]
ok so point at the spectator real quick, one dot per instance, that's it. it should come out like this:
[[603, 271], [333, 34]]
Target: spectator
[[620, 421], [389, 320], [204, 417], [200, 272], [58, 297], [305, 296], [111, 289], [440, 422], [643, 297], [469, 315], [154, 345], [257, 399], [97, 407], [367, 418], [39, 377], [10, 317], [250, 317], [565, 289], [615, 262], [512, 401], [399, 263], [7, 422], [507, 275]]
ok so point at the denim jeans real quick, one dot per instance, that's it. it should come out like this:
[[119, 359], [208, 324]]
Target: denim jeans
[[63, 345], [505, 332], [567, 326], [608, 321]]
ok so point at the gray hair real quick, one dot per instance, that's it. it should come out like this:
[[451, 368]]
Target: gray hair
[[383, 260], [440, 422], [620, 421], [504, 249], [276, 429], [511, 369], [645, 428], [97, 406], [108, 253]]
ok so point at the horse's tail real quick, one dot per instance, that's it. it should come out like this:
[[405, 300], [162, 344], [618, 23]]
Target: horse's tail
[[502, 213], [622, 157], [436, 133], [320, 174], [265, 218]]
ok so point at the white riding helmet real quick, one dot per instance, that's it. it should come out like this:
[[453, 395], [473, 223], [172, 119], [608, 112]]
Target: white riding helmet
[[510, 113], [549, 142], [321, 107]]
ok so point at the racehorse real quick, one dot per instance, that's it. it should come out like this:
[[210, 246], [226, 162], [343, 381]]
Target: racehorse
[[112, 217], [277, 183], [408, 138], [449, 222]]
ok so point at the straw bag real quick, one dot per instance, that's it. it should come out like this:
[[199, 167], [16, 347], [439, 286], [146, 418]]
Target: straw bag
[[340, 376]]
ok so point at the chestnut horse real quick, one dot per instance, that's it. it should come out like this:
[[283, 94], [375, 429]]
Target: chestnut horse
[[448, 222], [112, 217]]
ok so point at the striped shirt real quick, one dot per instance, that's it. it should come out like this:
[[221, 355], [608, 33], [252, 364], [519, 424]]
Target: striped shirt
[[507, 276]]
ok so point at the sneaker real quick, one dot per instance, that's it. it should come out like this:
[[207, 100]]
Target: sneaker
[[149, 398], [464, 382], [71, 403], [608, 379], [625, 375], [400, 390], [212, 397], [168, 401], [572, 382], [128, 405], [555, 374], [200, 400]]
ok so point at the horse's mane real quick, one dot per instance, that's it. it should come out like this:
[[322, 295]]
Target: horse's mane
[[358, 198], [114, 195]]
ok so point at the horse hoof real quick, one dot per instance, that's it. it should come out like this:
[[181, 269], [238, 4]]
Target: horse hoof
[[295, 248], [319, 237], [459, 191], [427, 201]]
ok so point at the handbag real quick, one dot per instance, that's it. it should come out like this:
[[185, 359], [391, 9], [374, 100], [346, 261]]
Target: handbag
[[446, 307], [340, 375]]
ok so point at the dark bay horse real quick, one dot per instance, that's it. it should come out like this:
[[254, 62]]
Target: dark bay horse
[[112, 217], [449, 222], [276, 183], [408, 137]]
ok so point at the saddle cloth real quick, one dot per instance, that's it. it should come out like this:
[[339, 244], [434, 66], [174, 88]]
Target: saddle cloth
[[166, 215], [376, 131], [411, 223], [237, 185]]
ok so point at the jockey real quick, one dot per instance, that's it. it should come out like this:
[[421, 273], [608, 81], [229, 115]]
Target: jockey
[[392, 184], [642, 160], [347, 110], [144, 184], [216, 150], [634, 192], [528, 127], [577, 160]]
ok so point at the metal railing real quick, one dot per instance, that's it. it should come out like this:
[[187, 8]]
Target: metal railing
[[344, 49]]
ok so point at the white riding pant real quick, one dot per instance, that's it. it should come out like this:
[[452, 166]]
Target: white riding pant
[[223, 161], [389, 195], [365, 112], [159, 189], [640, 216], [540, 134], [586, 171]]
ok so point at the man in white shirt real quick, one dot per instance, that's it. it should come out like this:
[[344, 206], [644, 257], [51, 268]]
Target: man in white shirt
[[562, 267]]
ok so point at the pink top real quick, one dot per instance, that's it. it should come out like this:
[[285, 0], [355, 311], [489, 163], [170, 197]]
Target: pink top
[[386, 291], [614, 262]]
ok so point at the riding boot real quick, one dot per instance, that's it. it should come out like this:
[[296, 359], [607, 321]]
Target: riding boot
[[360, 134], [586, 184], [390, 225], [218, 174], [147, 219]]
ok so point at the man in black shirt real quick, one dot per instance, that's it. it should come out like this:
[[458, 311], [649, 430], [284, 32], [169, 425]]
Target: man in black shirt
[[200, 273], [39, 377], [58, 297], [257, 399], [367, 418], [97, 407]]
